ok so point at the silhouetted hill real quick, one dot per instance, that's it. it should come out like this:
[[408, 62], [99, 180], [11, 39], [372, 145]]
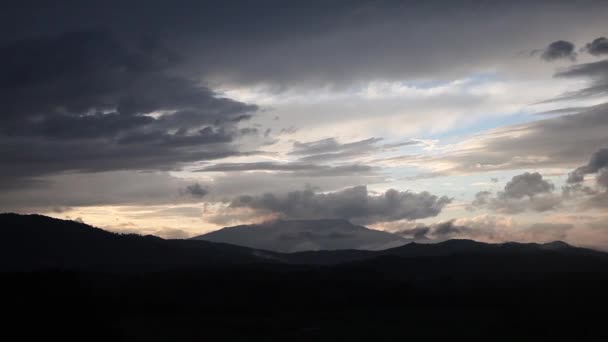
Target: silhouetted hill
[[31, 242], [305, 235], [76, 288]]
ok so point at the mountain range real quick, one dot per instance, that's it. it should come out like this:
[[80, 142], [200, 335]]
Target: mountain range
[[73, 281], [35, 242]]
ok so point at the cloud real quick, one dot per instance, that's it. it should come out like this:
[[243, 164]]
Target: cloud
[[71, 190], [296, 169], [88, 101], [353, 203], [488, 228], [196, 190], [592, 197], [560, 49], [526, 184], [597, 163], [330, 149], [321, 42], [417, 233], [598, 46], [485, 228], [597, 72], [524, 192], [558, 142]]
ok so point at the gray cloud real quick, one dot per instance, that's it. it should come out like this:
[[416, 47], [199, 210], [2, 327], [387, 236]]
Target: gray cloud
[[527, 191], [481, 198], [598, 46], [488, 228], [526, 184], [295, 169], [448, 228], [560, 49], [416, 233], [322, 42], [88, 101], [353, 203], [330, 149], [598, 162], [196, 190], [592, 197]]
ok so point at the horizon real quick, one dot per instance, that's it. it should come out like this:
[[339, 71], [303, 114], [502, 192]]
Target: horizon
[[459, 120], [421, 241]]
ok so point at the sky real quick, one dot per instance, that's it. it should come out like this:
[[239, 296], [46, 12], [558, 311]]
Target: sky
[[464, 119]]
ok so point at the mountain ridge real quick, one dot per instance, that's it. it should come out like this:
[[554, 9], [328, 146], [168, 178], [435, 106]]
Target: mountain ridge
[[305, 235], [34, 242]]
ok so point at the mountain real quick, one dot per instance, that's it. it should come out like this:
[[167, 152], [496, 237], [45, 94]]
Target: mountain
[[32, 242], [65, 277], [35, 242], [305, 235]]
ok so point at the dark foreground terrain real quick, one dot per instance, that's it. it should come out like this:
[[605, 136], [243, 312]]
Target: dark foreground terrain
[[66, 280]]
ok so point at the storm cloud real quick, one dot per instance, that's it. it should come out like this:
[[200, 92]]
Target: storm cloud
[[598, 46], [319, 41], [355, 204], [560, 49], [85, 101]]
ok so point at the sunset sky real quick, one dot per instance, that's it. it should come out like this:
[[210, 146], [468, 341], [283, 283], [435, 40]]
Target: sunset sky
[[472, 119]]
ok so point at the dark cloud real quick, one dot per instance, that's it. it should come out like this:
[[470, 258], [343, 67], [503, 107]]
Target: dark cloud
[[527, 191], [196, 190], [447, 229], [598, 46], [416, 233], [598, 161], [592, 197], [319, 41], [354, 204], [437, 231], [89, 101], [488, 228], [526, 184], [560, 49]]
